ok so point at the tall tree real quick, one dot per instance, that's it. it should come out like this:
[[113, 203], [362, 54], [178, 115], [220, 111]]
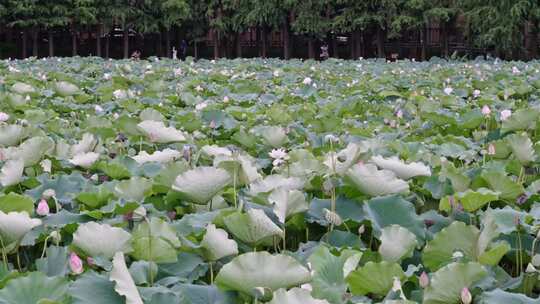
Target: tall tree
[[23, 15], [499, 24], [81, 13], [311, 20]]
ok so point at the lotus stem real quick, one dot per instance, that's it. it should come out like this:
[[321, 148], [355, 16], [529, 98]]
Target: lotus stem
[[234, 186], [211, 272], [44, 247], [4, 254]]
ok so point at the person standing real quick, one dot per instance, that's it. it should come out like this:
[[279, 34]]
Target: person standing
[[183, 49]]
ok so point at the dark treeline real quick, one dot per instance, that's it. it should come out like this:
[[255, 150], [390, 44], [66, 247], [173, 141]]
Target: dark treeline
[[270, 28]]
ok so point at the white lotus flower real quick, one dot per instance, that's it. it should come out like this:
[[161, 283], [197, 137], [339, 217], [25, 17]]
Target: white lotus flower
[[201, 106], [86, 144], [12, 172], [85, 160], [107, 76], [120, 94], [505, 114], [98, 109], [103, 240], [515, 70], [278, 154], [159, 133], [476, 93], [307, 81], [164, 156], [177, 72], [15, 225], [448, 90], [3, 117]]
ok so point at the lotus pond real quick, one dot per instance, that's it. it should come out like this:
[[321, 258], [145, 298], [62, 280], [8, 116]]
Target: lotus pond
[[268, 181]]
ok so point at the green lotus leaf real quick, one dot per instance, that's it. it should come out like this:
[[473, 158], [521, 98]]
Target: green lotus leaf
[[499, 296], [400, 168], [446, 284], [165, 156], [371, 181], [254, 270], [31, 150], [124, 284], [101, 240], [470, 200], [155, 241], [343, 160], [252, 227], [34, 288], [275, 181], [87, 144], [11, 172], [294, 296], [15, 225], [55, 263], [503, 184], [16, 202], [199, 185], [329, 272], [217, 244], [240, 165], [64, 88], [460, 182], [473, 244], [91, 286], [151, 114], [522, 148], [287, 203], [376, 278], [157, 132], [134, 189], [521, 119], [22, 88], [396, 243], [393, 209], [143, 272], [84, 160], [10, 135], [273, 136]]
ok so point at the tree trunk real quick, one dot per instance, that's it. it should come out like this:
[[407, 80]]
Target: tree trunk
[[50, 37], [358, 42], [380, 43], [107, 46], [444, 38], [126, 42], [333, 42], [195, 50], [311, 48], [98, 41], [423, 42], [24, 44], [159, 50], [216, 44], [264, 42], [35, 36], [286, 40], [74, 43], [168, 43], [533, 41], [238, 45]]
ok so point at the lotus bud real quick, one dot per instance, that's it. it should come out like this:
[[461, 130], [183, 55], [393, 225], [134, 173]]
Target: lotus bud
[[42, 208], [139, 213], [307, 81], [332, 217], [187, 153], [226, 99], [491, 149], [212, 124], [171, 215], [530, 268], [98, 109], [457, 255], [424, 280], [399, 113], [396, 285], [46, 165], [448, 90], [47, 194], [90, 261], [476, 93], [361, 229], [55, 236], [486, 110], [75, 263], [466, 297], [4, 117]]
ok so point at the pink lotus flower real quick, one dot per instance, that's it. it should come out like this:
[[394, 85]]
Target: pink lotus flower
[[43, 208], [423, 280], [505, 114], [491, 149], [486, 110], [75, 263], [466, 296]]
